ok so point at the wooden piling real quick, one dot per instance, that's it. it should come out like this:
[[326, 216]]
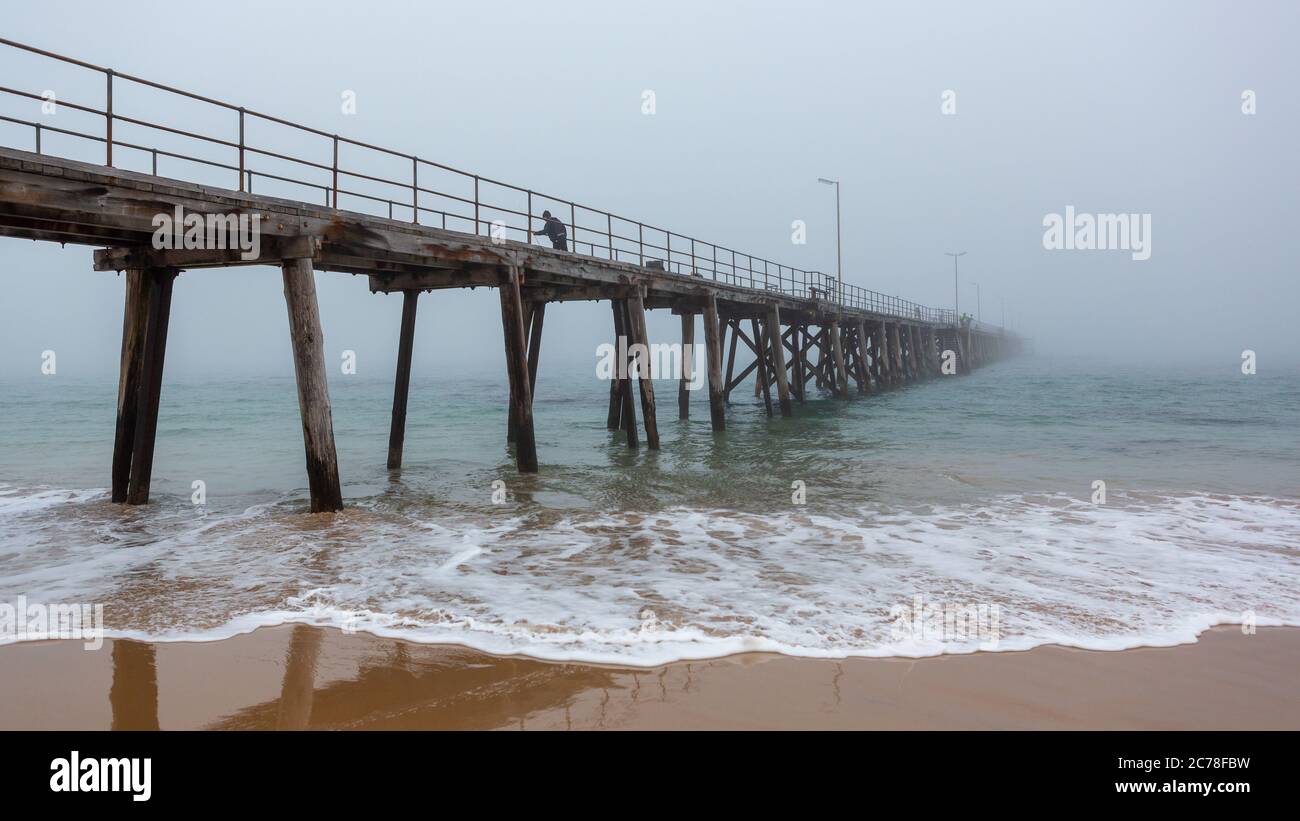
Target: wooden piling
[[308, 344], [135, 317], [873, 350], [537, 315], [922, 366], [636, 313], [713, 350], [731, 358], [864, 382], [798, 332], [516, 345], [688, 364], [628, 409], [402, 381], [896, 352], [882, 345], [837, 349], [760, 366], [150, 390], [512, 423], [615, 417], [777, 346]]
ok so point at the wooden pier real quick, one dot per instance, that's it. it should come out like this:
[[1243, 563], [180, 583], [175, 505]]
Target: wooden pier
[[803, 329], [796, 343]]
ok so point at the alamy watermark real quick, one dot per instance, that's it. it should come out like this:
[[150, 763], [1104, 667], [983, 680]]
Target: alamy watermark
[[208, 232], [33, 621], [1098, 232], [666, 360]]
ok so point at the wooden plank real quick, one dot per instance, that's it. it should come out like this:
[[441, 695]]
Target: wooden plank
[[636, 313], [713, 346], [402, 381], [150, 392], [778, 359], [135, 316], [516, 344], [308, 343]]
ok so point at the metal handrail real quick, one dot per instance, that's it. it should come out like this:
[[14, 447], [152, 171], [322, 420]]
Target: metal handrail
[[676, 253]]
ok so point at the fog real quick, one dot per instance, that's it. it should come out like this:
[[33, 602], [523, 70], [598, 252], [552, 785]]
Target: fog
[[1108, 107]]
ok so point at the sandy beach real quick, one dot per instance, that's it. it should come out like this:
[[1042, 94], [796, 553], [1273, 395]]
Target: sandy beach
[[304, 677]]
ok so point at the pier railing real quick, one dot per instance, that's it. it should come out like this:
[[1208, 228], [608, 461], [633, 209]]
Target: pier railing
[[219, 143]]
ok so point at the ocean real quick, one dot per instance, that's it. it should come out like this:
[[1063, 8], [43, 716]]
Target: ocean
[[849, 530]]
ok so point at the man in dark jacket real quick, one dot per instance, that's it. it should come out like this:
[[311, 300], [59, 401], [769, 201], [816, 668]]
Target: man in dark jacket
[[554, 229]]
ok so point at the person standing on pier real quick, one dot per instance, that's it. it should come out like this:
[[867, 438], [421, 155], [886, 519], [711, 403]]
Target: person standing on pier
[[554, 229]]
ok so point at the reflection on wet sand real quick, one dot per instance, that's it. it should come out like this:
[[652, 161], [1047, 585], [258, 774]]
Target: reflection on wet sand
[[398, 685], [304, 677], [298, 691], [134, 694]]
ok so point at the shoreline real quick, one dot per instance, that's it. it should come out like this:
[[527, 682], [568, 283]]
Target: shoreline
[[299, 676]]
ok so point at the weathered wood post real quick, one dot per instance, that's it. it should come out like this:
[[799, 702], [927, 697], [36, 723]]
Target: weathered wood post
[[886, 361], [734, 324], [636, 313], [402, 381], [917, 351], [308, 344], [821, 369], [778, 358], [688, 365], [512, 423], [615, 417], [798, 332], [516, 344], [135, 318], [537, 316], [760, 366], [713, 345], [150, 388], [873, 350], [909, 349], [627, 393], [837, 351], [864, 384], [895, 352]]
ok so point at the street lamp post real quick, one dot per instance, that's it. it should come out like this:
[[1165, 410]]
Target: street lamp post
[[956, 318], [839, 258], [978, 314]]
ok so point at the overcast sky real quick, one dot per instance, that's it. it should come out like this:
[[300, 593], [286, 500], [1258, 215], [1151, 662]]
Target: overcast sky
[[1110, 107]]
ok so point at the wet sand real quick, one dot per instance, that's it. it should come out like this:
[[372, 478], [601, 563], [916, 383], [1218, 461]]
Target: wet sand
[[296, 676]]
